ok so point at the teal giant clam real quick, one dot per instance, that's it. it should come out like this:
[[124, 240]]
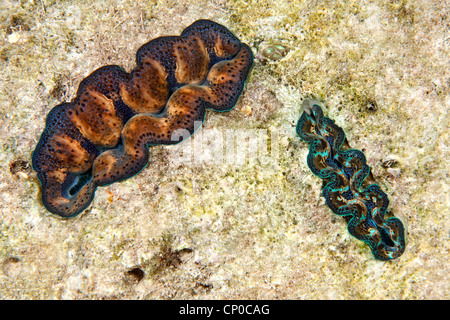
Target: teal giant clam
[[349, 188], [103, 134]]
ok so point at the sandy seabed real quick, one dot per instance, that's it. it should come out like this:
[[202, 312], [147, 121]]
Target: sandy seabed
[[214, 217]]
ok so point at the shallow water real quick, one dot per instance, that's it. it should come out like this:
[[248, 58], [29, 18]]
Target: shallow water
[[234, 212]]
